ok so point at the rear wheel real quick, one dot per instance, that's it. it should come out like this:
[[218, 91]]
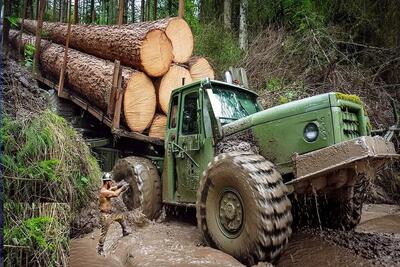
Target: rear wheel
[[242, 207], [145, 185], [344, 212]]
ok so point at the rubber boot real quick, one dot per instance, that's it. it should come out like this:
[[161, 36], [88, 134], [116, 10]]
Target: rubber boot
[[100, 250], [125, 232]]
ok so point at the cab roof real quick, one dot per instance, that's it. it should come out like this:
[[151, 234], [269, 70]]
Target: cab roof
[[212, 82]]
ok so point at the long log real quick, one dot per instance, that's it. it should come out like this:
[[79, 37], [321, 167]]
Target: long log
[[199, 68], [158, 126], [143, 47], [174, 78], [91, 77], [177, 30]]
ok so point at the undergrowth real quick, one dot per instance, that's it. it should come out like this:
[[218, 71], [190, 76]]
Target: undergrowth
[[218, 45], [36, 233], [44, 159]]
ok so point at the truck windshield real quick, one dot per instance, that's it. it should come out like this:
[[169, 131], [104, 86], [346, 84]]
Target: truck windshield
[[232, 104]]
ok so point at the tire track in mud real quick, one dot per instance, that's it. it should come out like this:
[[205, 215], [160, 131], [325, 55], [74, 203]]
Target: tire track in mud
[[380, 248]]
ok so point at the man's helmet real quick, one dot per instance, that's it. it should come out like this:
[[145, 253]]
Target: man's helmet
[[106, 177]]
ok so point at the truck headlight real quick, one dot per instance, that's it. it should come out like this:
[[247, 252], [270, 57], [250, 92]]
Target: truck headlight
[[311, 132]]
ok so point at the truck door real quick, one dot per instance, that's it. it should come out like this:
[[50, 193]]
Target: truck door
[[188, 145]]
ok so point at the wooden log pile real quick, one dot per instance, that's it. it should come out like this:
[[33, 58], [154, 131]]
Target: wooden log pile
[[156, 58]]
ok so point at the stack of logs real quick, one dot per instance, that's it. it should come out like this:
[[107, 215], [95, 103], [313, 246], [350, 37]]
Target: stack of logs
[[156, 58]]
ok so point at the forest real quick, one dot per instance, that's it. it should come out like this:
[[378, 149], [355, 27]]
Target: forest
[[289, 49]]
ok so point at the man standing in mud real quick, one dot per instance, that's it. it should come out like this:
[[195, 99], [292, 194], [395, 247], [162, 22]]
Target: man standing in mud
[[107, 192]]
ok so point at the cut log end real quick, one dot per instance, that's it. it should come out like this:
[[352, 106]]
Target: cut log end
[[139, 102], [158, 126], [156, 53], [199, 68], [170, 81], [178, 31]]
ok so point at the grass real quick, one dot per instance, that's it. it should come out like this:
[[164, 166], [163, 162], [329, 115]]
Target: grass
[[49, 176], [46, 151]]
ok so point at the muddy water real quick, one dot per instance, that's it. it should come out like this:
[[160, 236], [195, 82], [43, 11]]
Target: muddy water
[[310, 250], [178, 243]]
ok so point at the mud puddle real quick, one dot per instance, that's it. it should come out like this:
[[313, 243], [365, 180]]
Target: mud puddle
[[376, 241]]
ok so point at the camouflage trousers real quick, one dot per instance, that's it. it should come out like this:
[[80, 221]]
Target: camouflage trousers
[[106, 219]]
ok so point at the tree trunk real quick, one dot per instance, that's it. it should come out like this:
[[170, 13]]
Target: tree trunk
[[174, 78], [121, 12], [54, 10], [133, 11], [178, 32], [170, 8], [158, 126], [91, 78], [181, 10], [148, 10], [37, 10], [61, 19], [76, 17], [143, 46], [142, 6], [92, 12], [6, 24], [125, 17], [227, 14], [30, 5], [155, 10], [199, 68], [243, 42], [38, 36]]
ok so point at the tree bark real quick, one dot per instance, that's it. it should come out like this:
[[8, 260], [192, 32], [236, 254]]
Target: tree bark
[[76, 17], [181, 11], [227, 14], [91, 78], [143, 46], [38, 36], [243, 42], [121, 12]]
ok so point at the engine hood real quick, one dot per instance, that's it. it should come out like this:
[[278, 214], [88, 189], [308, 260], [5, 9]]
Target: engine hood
[[279, 112]]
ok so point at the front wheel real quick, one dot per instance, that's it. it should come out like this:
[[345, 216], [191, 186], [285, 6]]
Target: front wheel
[[145, 185], [242, 207]]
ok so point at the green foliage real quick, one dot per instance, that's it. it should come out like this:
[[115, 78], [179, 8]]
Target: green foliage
[[40, 228], [45, 148], [29, 52], [218, 45], [13, 20], [30, 232]]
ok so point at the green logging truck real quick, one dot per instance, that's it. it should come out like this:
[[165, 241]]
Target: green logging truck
[[238, 164]]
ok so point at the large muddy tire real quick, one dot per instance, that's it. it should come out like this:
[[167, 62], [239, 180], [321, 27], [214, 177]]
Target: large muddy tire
[[145, 185], [242, 207], [344, 212]]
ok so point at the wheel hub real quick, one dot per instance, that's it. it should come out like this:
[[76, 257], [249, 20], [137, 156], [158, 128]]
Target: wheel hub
[[230, 212]]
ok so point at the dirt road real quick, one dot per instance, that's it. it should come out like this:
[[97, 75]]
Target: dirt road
[[177, 243]]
